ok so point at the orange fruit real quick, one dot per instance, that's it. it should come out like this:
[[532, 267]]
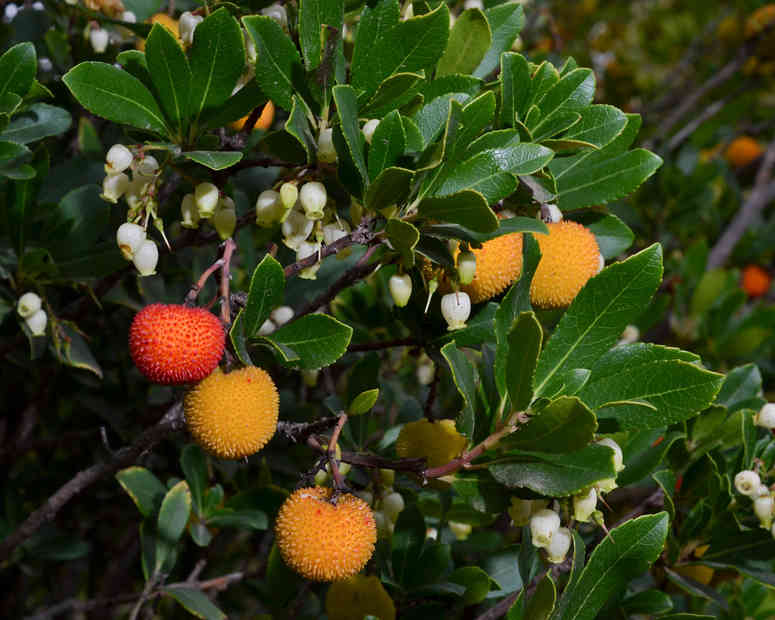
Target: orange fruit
[[755, 280], [742, 151], [264, 121]]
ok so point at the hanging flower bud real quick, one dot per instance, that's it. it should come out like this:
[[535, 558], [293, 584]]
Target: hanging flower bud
[[118, 159], [584, 505], [629, 335], [269, 208], [114, 186], [305, 250], [456, 308], [189, 212], [147, 166], [146, 257], [313, 197], [187, 25], [460, 530], [765, 416], [400, 289], [747, 482], [387, 477], [466, 267], [225, 218], [296, 228], [310, 376], [37, 322], [267, 327], [276, 12], [326, 149], [28, 304], [606, 485], [129, 17], [762, 508], [559, 546], [520, 511], [98, 37], [129, 238], [369, 128], [281, 315], [289, 194], [618, 458], [543, 525], [384, 525], [206, 196]]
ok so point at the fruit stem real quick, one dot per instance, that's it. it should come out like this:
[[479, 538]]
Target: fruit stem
[[228, 251], [195, 288], [331, 453]]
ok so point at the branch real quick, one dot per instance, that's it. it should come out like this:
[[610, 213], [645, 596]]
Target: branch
[[297, 432], [228, 252], [339, 484], [380, 462], [171, 422], [362, 235], [501, 608], [763, 191], [707, 114]]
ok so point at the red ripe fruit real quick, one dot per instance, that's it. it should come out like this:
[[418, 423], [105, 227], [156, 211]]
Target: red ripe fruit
[[176, 344]]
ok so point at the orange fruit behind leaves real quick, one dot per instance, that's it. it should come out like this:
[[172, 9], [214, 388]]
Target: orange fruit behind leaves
[[264, 121], [170, 23], [755, 281], [742, 151]]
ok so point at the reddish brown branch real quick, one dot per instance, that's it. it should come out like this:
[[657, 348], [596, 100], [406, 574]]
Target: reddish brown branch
[[362, 235], [331, 453], [228, 253]]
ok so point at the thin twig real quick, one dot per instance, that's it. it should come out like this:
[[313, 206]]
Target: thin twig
[[171, 422], [706, 114], [193, 292], [228, 253], [362, 235], [298, 432], [380, 462], [763, 191], [331, 453]]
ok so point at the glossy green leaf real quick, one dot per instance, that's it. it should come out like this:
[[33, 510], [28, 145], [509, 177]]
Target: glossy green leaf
[[195, 602], [638, 466], [115, 95], [171, 76], [475, 581], [541, 604], [465, 379], [468, 43], [558, 475], [524, 345], [314, 15], [505, 21], [72, 348], [18, 66], [396, 91], [403, 237], [573, 92], [363, 402], [407, 542], [312, 341], [392, 186], [298, 126], [599, 125], [267, 288], [387, 144], [38, 121], [217, 58], [595, 319], [515, 87], [347, 106], [173, 516], [564, 425], [613, 236], [143, 487], [481, 173], [741, 388], [468, 208], [194, 464], [215, 160], [247, 519], [648, 602], [134, 62]]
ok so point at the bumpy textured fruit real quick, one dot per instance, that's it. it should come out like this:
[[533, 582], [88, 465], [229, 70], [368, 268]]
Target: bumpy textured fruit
[[569, 257], [439, 442], [233, 415], [325, 541], [742, 151], [498, 265], [357, 597], [755, 281], [172, 344]]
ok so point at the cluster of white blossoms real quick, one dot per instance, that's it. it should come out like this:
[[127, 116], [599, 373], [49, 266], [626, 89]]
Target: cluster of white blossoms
[[747, 482], [546, 533], [207, 203], [29, 307]]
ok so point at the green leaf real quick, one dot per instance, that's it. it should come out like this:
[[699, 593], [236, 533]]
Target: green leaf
[[464, 375], [246, 519], [596, 318], [524, 345], [71, 348], [298, 126], [468, 43], [215, 160], [12, 150], [279, 65], [599, 125], [468, 208], [505, 227], [541, 604], [312, 341], [171, 75], [194, 464], [516, 301], [407, 542], [403, 237], [173, 516], [387, 144], [515, 87], [134, 62], [392, 186], [363, 402], [481, 173], [631, 376], [313, 16], [145, 489], [408, 46], [217, 58], [741, 388], [613, 236], [647, 602], [623, 555], [195, 602], [266, 292], [347, 106], [572, 93], [476, 582], [558, 475], [564, 425], [236, 107], [501, 567], [396, 91], [40, 120], [640, 465], [432, 117], [115, 95], [505, 21], [18, 66]]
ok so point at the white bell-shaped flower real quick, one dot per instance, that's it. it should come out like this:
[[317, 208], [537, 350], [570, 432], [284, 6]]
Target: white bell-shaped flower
[[584, 505], [37, 322], [189, 212], [369, 128], [99, 38], [296, 228], [766, 416], [559, 546], [400, 289], [281, 315], [747, 482], [129, 238], [326, 149], [313, 197], [146, 257], [543, 525], [456, 308], [114, 186], [269, 208], [118, 159], [28, 304], [207, 197], [466, 267]]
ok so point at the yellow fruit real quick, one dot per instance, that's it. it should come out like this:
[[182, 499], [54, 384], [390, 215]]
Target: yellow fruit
[[112, 8], [698, 572], [168, 22], [439, 442], [569, 257], [498, 265], [742, 151], [264, 121], [359, 596], [233, 415], [324, 540]]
